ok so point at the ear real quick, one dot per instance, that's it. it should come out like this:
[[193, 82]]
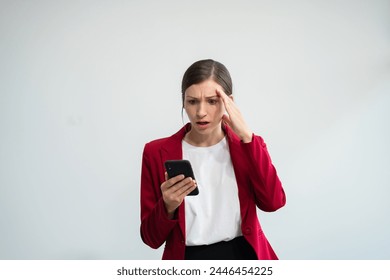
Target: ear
[[231, 97]]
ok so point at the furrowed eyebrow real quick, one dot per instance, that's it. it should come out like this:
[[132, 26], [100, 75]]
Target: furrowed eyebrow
[[208, 97]]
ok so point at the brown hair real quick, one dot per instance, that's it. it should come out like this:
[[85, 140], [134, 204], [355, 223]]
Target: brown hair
[[203, 70]]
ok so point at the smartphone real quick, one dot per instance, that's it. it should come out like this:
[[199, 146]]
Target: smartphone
[[178, 167]]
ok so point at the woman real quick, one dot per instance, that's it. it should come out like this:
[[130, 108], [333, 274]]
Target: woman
[[233, 172]]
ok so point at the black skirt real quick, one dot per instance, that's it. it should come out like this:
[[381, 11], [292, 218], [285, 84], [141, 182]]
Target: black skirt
[[236, 249]]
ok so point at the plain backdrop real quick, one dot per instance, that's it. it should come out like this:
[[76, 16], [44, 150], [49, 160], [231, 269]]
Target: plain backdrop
[[85, 84]]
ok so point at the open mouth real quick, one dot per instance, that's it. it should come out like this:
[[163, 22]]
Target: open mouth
[[202, 125]]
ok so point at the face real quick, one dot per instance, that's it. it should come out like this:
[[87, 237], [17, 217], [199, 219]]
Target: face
[[204, 107]]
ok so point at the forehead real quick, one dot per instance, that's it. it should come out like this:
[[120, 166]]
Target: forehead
[[206, 89]]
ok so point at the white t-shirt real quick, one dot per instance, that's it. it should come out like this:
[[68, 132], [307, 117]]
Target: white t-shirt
[[214, 214]]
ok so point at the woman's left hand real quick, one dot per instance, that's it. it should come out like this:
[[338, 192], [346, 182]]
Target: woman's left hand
[[234, 118]]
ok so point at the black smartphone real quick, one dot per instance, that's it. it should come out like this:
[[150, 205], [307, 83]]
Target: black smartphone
[[177, 167]]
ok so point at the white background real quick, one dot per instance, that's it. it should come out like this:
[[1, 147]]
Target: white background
[[85, 84]]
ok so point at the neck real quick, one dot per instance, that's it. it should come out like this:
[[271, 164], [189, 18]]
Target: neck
[[204, 140]]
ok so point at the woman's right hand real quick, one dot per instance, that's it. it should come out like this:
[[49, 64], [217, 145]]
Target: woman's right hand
[[174, 191]]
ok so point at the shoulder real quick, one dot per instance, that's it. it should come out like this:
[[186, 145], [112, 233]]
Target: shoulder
[[166, 142], [156, 144]]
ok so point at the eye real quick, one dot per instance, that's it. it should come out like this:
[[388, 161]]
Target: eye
[[213, 101], [191, 102]]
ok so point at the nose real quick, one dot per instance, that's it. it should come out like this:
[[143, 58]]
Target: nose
[[201, 110]]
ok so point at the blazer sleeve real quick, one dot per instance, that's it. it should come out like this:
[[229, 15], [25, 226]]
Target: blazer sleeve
[[267, 188], [155, 225]]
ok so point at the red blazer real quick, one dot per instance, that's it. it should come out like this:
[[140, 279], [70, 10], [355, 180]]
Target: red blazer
[[258, 185]]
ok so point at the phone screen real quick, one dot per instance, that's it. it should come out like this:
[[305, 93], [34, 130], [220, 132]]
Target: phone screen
[[178, 167]]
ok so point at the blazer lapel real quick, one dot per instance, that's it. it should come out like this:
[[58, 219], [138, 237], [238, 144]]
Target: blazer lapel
[[172, 150], [238, 166], [234, 145]]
